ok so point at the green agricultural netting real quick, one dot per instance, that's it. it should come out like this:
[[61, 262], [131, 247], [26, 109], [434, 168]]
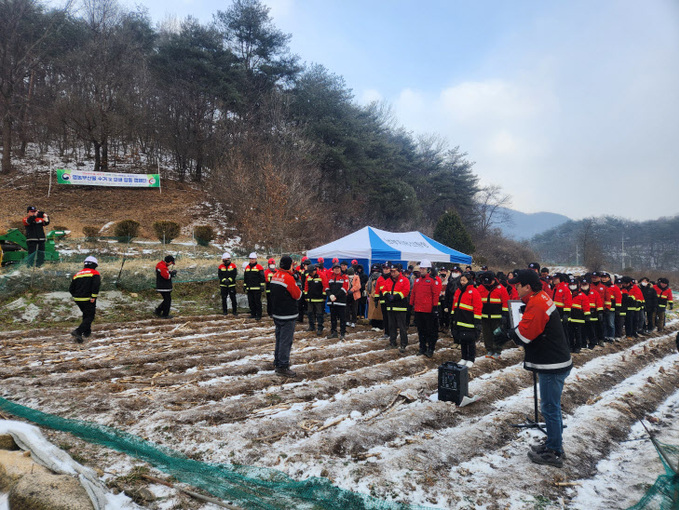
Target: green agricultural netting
[[664, 495], [244, 486]]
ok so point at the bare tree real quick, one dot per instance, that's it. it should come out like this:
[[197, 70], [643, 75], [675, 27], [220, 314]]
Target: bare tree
[[490, 201]]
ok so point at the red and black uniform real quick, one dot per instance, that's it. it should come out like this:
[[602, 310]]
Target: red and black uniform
[[284, 295], [424, 298], [253, 283], [465, 321], [580, 315], [613, 305], [85, 289], [495, 309], [562, 298], [665, 301], [315, 288], [35, 235], [593, 332], [395, 291], [338, 288], [541, 333], [639, 305], [164, 287], [227, 273]]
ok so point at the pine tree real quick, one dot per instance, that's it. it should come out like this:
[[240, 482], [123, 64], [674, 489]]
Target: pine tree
[[451, 232]]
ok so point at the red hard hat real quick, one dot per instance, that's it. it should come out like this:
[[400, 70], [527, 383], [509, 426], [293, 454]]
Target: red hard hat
[[272, 260], [320, 260], [354, 262], [305, 258], [335, 260]]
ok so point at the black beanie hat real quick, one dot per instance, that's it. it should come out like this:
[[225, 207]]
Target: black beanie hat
[[169, 259], [286, 262]]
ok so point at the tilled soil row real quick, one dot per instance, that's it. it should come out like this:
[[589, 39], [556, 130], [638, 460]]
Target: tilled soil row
[[407, 421]]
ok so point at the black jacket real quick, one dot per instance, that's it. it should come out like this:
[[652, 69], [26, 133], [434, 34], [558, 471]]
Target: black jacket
[[35, 227], [85, 284]]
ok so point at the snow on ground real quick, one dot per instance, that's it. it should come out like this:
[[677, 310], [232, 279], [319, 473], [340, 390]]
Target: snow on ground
[[364, 417]]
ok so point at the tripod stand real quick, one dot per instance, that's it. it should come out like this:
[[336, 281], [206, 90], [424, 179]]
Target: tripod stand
[[534, 423]]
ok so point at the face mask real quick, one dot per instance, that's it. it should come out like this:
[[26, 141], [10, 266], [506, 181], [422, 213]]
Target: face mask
[[272, 266], [643, 284], [456, 275], [585, 289], [572, 287]]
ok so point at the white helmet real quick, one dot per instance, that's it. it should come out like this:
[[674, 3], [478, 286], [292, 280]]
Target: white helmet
[[425, 264], [226, 255], [253, 255], [91, 260]]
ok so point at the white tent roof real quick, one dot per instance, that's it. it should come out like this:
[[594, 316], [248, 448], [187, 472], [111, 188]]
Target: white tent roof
[[378, 245]]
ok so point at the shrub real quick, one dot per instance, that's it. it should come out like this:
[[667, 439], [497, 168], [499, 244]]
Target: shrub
[[166, 230], [91, 233], [126, 230], [203, 234]]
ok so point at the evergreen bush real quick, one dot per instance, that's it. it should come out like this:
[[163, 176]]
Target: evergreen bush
[[166, 231], [203, 234], [451, 232], [126, 230], [91, 233]]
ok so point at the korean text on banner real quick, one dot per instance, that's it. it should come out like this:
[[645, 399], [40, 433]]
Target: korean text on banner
[[86, 178]]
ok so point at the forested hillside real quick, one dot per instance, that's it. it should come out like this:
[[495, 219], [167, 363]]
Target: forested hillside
[[612, 243], [281, 144]]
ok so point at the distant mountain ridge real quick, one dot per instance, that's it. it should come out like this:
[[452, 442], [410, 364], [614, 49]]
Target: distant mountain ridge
[[523, 226]]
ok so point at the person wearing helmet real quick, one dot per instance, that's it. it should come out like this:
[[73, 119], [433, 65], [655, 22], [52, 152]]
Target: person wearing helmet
[[164, 275], [253, 281], [85, 288], [227, 273], [268, 274]]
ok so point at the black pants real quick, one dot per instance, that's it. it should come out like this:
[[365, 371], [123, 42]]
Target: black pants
[[397, 324], [316, 314], [427, 330], [589, 334], [302, 307], [575, 335], [385, 318], [631, 323], [229, 292], [338, 312], [444, 317], [468, 350], [268, 303], [164, 308], [37, 250], [89, 310], [255, 303], [619, 323], [352, 306]]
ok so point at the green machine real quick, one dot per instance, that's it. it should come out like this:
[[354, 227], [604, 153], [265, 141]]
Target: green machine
[[14, 249]]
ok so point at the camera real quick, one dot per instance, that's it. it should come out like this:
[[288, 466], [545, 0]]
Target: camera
[[40, 214]]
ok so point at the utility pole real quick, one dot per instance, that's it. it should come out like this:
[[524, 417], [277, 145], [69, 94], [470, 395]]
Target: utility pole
[[622, 253], [577, 255]]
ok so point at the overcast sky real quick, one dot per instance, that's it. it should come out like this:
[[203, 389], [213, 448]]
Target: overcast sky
[[571, 106]]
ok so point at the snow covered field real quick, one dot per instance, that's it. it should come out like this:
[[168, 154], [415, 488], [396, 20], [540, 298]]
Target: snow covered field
[[364, 417]]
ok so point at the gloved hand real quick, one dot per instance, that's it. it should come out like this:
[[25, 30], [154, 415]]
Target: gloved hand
[[376, 301], [671, 306], [333, 298], [173, 273], [504, 322], [445, 310], [390, 297]]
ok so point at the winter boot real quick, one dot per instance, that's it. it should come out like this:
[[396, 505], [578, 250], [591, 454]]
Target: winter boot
[[285, 372], [546, 456]]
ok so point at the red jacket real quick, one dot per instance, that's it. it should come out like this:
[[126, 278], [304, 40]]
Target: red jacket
[[395, 293], [600, 288], [379, 283], [562, 297], [664, 297], [580, 310], [612, 298], [596, 304], [425, 295], [638, 296], [494, 301], [466, 308], [268, 275], [315, 287]]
